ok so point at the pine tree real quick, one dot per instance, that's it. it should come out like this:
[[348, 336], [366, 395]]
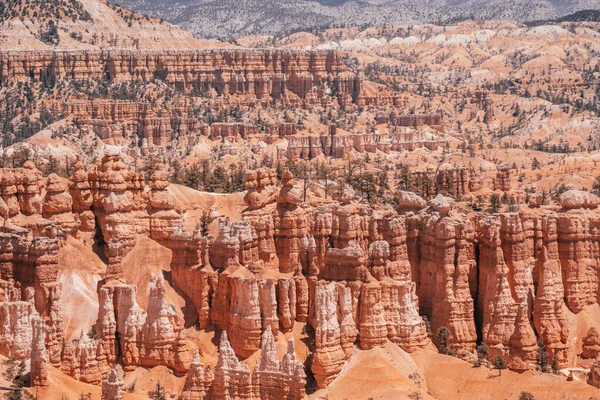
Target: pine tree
[[159, 393], [499, 364]]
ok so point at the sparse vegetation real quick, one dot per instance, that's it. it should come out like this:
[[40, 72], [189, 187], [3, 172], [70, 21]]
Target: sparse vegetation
[[158, 393], [499, 363]]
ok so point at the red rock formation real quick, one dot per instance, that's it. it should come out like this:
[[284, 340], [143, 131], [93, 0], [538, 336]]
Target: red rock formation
[[79, 360], [447, 273], [380, 263], [302, 298], [591, 344], [193, 274], [164, 220], [244, 305], [349, 263], [38, 376], [502, 181], [523, 353], [291, 224], [52, 314], [337, 146], [351, 223], [106, 325], [110, 180], [16, 329], [233, 379], [505, 290], [198, 382], [251, 280], [113, 387], [286, 302], [372, 329], [82, 198], [405, 327], [497, 304], [160, 338], [10, 203], [549, 319], [453, 181], [236, 245], [261, 74], [129, 318], [28, 271], [58, 204], [335, 330], [261, 194], [409, 201], [594, 374], [278, 380], [435, 121], [516, 234], [576, 199], [394, 232], [303, 147], [146, 338], [30, 179], [575, 228]]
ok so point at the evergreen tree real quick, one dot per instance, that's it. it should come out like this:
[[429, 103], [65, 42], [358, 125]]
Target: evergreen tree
[[499, 363]]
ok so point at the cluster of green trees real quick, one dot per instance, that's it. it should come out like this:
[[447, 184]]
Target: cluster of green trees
[[16, 373], [201, 175], [43, 10], [49, 33], [18, 104], [498, 362]]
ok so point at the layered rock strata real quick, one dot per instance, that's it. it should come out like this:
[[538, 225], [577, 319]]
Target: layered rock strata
[[113, 386], [259, 73], [356, 275]]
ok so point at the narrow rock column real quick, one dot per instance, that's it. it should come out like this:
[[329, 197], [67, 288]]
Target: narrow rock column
[[113, 385], [39, 357]]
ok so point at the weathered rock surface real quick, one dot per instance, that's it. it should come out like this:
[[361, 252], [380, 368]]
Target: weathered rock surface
[[146, 338], [233, 379], [39, 358], [335, 330], [574, 199], [410, 201], [113, 386], [198, 382], [357, 275], [591, 344], [594, 374], [275, 379], [447, 273]]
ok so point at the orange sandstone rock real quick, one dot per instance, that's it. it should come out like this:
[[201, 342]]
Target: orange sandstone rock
[[233, 379], [335, 330], [39, 358], [278, 380], [199, 380], [113, 387], [591, 344]]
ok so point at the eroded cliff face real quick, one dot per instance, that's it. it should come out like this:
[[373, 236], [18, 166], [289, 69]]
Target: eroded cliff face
[[356, 275], [257, 73], [220, 80]]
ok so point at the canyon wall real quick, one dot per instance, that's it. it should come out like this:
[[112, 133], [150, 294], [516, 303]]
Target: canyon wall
[[357, 276], [259, 73]]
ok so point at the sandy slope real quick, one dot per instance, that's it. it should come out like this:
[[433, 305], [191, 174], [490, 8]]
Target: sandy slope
[[450, 378], [80, 269], [379, 373]]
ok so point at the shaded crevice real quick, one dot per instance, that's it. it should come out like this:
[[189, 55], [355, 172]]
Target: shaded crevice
[[190, 314], [99, 245]]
